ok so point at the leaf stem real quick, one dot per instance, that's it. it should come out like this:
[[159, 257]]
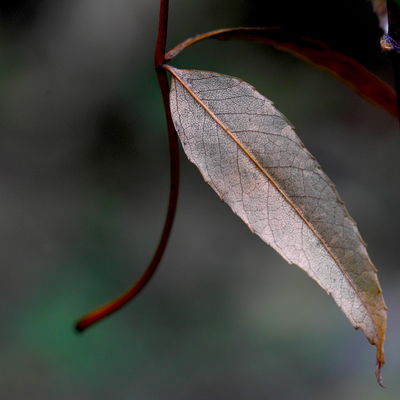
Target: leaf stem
[[108, 309]]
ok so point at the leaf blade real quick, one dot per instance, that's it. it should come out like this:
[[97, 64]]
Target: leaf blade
[[250, 155]]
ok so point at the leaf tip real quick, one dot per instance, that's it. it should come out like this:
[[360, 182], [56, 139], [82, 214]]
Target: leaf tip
[[380, 361], [378, 373]]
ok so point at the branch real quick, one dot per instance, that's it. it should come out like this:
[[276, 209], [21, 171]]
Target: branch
[[108, 309]]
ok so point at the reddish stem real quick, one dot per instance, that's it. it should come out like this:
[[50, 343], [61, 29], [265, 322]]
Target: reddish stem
[[162, 33], [108, 309]]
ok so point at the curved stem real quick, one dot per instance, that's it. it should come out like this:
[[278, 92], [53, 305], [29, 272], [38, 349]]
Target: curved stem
[[108, 309]]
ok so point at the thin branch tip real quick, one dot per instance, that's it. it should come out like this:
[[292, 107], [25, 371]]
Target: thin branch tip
[[79, 327]]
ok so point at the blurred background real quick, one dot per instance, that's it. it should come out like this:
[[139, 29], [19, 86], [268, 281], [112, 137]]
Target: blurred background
[[83, 192]]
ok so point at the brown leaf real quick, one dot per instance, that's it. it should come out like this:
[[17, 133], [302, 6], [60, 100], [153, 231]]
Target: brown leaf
[[350, 72], [249, 154]]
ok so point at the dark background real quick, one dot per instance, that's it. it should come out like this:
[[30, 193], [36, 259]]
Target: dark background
[[83, 191]]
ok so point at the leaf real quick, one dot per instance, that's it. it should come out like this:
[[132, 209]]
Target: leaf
[[249, 154], [344, 68]]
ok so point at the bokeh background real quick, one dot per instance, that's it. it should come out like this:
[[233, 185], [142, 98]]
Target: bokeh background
[[83, 192]]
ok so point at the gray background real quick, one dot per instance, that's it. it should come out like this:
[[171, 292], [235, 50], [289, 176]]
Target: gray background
[[83, 191]]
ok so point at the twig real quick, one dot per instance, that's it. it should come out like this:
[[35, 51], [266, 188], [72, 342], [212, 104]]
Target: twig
[[108, 309]]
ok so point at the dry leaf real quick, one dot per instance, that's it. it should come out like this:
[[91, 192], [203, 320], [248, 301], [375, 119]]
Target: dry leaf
[[250, 155]]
